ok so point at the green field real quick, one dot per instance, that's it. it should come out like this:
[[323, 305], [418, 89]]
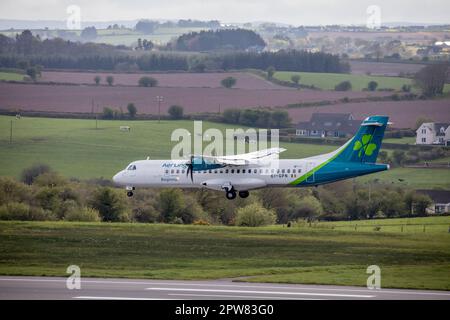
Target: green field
[[317, 255], [404, 140], [76, 149], [327, 81], [11, 76]]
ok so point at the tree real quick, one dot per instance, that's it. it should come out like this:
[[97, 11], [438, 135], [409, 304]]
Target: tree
[[431, 79], [110, 203], [307, 207], [32, 73], [147, 82], [110, 80], [295, 79], [255, 215], [89, 33], [170, 204], [175, 112], [399, 156], [372, 85], [146, 26], [30, 174], [280, 119], [270, 72], [132, 110], [108, 113], [228, 82], [97, 80], [343, 86]]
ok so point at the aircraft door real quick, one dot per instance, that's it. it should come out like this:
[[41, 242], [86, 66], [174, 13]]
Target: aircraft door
[[310, 178]]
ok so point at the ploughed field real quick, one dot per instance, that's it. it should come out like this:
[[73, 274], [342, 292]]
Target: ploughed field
[[79, 98], [384, 68], [184, 80]]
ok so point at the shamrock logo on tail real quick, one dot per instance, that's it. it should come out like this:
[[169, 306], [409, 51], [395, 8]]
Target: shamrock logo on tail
[[364, 144]]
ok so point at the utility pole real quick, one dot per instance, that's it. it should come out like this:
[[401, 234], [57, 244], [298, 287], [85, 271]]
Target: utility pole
[[159, 99]]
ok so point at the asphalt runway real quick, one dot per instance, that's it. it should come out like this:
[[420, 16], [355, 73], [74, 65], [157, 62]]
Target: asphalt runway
[[52, 288]]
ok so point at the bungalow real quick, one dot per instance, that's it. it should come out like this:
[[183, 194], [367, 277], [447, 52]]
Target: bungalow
[[328, 125]]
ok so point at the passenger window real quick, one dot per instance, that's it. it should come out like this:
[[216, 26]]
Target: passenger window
[[221, 171], [282, 171], [293, 170], [171, 171], [178, 171], [288, 170], [232, 170], [255, 170], [267, 170], [215, 171], [167, 171], [273, 170], [226, 170], [243, 170], [278, 170], [210, 171], [238, 171], [182, 171]]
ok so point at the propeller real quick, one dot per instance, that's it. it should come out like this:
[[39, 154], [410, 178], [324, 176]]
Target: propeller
[[190, 168]]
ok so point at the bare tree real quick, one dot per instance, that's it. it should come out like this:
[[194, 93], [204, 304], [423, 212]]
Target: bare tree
[[431, 79]]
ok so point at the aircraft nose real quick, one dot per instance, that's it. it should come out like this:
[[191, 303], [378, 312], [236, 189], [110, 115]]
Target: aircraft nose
[[117, 178]]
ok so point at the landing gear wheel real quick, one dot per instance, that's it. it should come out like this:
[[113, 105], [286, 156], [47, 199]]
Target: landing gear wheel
[[244, 194], [129, 193], [230, 195]]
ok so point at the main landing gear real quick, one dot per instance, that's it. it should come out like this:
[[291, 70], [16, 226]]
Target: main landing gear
[[231, 194]]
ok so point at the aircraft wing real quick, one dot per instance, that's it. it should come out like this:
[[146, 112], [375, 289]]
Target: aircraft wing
[[247, 158]]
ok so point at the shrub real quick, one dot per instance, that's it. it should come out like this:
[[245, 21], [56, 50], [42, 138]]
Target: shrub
[[147, 82], [50, 179], [110, 204], [13, 191], [29, 174], [372, 85], [14, 211], [295, 79], [201, 222], [132, 110], [255, 215], [343, 86], [228, 82], [175, 112], [108, 113], [270, 72], [97, 80], [83, 214], [110, 80], [146, 213], [23, 212]]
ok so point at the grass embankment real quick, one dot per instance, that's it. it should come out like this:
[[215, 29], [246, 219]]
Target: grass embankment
[[319, 254], [76, 149]]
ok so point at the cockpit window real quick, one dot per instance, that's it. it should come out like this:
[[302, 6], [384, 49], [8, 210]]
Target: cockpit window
[[131, 167]]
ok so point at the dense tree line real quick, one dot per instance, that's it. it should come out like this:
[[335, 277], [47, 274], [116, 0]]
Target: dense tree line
[[230, 39], [45, 195], [284, 60], [61, 54], [260, 118]]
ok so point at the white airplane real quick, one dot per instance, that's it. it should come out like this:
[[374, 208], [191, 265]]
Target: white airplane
[[238, 174]]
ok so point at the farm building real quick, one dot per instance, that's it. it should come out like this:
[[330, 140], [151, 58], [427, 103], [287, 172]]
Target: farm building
[[441, 200], [433, 133], [328, 125]]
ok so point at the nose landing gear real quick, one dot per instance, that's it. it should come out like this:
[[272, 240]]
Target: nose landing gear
[[130, 191]]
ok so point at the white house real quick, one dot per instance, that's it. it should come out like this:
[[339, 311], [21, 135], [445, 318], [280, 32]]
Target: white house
[[433, 133]]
